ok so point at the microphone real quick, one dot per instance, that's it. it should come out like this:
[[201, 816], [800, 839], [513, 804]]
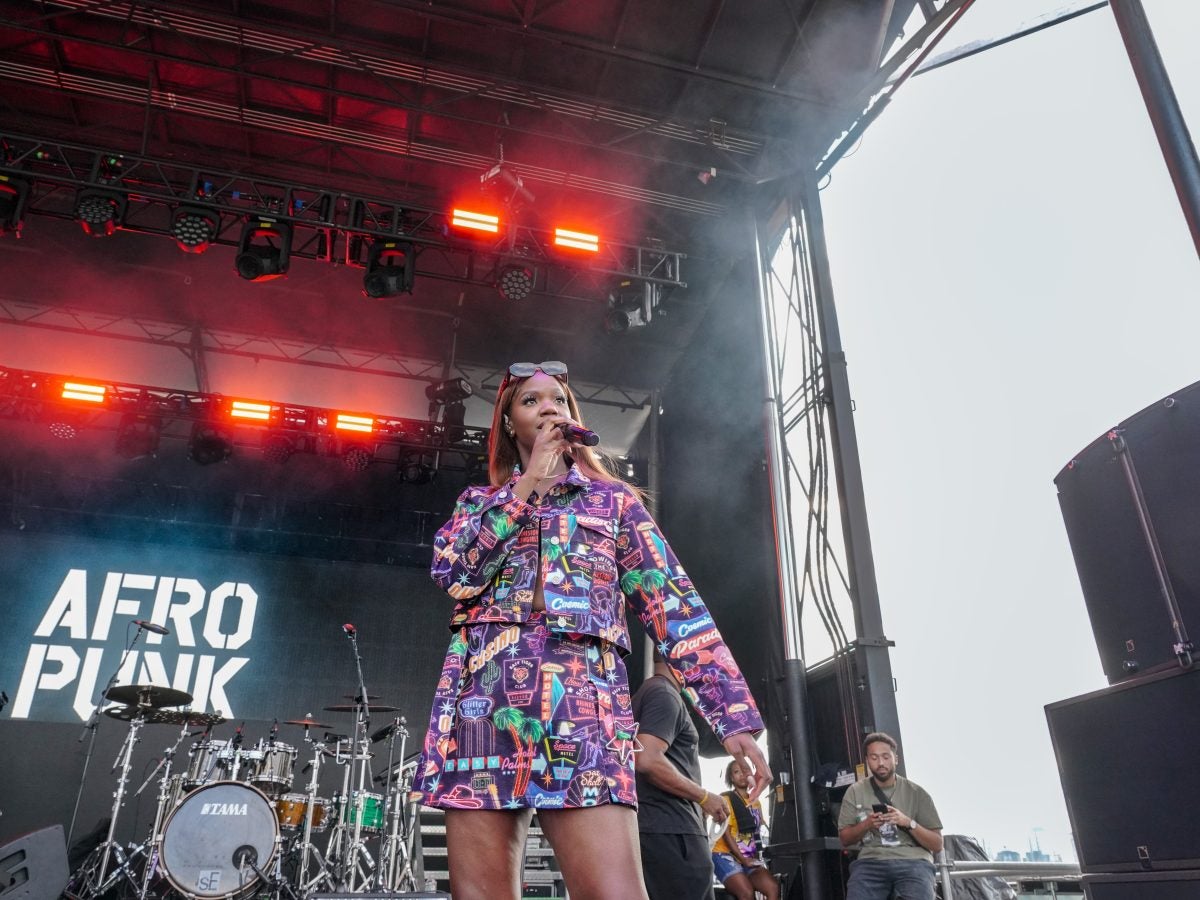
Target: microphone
[[577, 434], [350, 630], [150, 626]]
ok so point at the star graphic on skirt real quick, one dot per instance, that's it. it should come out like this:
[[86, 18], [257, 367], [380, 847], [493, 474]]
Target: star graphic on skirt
[[624, 744]]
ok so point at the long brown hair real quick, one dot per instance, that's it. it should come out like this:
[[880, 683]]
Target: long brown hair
[[503, 455]]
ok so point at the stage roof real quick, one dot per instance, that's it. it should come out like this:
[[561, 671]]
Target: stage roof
[[652, 124]]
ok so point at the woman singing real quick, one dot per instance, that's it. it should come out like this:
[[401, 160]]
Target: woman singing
[[532, 710]]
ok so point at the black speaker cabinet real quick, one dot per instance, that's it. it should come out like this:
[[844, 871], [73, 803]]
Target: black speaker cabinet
[[1127, 757], [34, 866], [1143, 886], [1131, 620]]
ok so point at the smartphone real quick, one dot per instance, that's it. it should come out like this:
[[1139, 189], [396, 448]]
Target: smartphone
[[879, 808]]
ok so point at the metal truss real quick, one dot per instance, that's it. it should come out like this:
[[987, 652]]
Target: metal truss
[[194, 341], [328, 225], [179, 414], [822, 536]]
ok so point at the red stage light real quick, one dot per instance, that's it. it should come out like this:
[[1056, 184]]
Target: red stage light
[[579, 240], [77, 390], [477, 221], [347, 422], [247, 409]]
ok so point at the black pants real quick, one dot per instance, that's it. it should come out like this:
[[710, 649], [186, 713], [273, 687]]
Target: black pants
[[677, 866]]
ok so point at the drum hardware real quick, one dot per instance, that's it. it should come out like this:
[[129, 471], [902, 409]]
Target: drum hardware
[[93, 722], [305, 849], [354, 863], [94, 877], [95, 874], [170, 794], [395, 867]]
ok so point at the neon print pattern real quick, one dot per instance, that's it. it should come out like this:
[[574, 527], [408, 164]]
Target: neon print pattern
[[533, 709], [547, 733]]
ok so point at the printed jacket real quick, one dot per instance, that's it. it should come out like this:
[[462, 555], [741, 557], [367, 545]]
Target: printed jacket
[[598, 550]]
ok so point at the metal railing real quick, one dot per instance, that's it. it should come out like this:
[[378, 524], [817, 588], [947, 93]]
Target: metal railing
[[949, 870]]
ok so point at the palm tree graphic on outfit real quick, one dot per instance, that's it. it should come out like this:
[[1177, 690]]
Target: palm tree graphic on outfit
[[649, 584]]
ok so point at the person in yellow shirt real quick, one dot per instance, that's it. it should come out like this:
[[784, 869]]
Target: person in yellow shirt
[[737, 853]]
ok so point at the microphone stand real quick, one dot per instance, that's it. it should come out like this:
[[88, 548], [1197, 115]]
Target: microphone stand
[[90, 726]]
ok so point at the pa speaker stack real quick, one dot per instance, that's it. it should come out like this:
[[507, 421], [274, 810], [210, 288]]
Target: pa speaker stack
[[1126, 754]]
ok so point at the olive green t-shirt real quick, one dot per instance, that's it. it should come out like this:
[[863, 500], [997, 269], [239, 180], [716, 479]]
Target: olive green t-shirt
[[911, 799]]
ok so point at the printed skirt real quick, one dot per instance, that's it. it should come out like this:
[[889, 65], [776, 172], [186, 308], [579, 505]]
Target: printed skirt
[[528, 717]]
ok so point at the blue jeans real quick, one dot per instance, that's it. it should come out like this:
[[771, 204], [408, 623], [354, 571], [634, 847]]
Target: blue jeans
[[879, 879]]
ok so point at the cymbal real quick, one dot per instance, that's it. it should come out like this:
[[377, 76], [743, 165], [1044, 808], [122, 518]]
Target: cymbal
[[165, 716], [355, 697], [352, 707], [147, 695], [307, 722]]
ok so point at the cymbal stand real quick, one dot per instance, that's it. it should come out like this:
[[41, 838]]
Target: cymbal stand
[[306, 848], [393, 851], [101, 880], [357, 862], [361, 756], [160, 812], [93, 722]]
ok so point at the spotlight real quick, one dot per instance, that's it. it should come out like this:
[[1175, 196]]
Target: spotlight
[[453, 416], [449, 391], [63, 430], [264, 250], [506, 183], [208, 445], [515, 282], [391, 269], [138, 436], [357, 458], [13, 194], [631, 305], [100, 212], [415, 470], [278, 448], [194, 228]]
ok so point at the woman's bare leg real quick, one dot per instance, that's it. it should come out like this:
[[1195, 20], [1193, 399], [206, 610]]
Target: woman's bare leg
[[764, 882], [597, 850], [486, 851]]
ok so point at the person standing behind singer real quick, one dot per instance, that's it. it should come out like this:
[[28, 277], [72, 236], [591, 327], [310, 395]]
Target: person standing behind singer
[[896, 823], [532, 709], [672, 804], [737, 854]]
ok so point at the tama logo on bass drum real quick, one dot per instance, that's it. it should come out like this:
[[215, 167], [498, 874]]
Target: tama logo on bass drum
[[224, 809]]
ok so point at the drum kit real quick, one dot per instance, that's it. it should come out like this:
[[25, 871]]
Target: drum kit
[[228, 823]]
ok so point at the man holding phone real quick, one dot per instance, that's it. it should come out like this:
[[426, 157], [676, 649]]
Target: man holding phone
[[895, 825]]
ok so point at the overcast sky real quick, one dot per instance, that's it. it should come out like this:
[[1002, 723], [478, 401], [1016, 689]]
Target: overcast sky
[[1013, 276]]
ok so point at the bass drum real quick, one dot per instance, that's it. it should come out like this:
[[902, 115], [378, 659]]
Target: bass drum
[[214, 839]]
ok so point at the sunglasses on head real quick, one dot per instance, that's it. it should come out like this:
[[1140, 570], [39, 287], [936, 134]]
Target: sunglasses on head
[[551, 367]]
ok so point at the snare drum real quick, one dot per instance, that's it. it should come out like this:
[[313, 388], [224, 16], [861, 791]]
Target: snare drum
[[370, 816], [271, 771], [290, 810]]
